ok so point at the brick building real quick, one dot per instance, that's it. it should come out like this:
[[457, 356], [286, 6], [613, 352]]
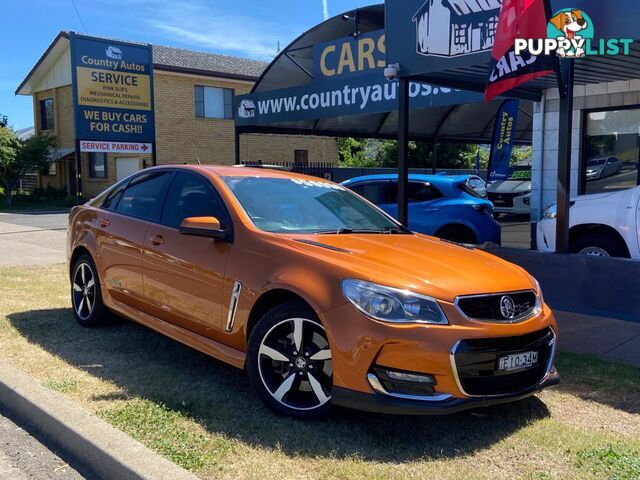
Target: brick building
[[193, 94]]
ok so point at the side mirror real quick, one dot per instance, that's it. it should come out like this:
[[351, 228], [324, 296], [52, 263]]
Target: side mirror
[[202, 227]]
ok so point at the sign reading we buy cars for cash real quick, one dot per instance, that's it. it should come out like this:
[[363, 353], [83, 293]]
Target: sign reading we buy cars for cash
[[113, 90]]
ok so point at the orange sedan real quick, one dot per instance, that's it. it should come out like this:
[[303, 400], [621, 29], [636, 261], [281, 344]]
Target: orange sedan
[[320, 296]]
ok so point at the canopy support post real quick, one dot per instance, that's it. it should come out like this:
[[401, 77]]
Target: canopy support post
[[434, 164], [564, 156], [403, 151]]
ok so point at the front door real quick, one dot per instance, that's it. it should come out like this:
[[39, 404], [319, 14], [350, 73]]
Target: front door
[[183, 274], [121, 226], [126, 166]]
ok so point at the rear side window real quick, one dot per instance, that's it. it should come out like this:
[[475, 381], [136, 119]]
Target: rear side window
[[191, 195], [422, 192], [142, 197], [468, 190]]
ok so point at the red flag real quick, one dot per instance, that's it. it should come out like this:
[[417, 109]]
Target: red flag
[[518, 19]]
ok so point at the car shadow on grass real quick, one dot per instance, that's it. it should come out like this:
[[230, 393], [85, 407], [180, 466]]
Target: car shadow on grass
[[145, 364]]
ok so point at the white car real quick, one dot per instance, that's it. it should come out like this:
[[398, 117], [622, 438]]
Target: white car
[[512, 195], [601, 224]]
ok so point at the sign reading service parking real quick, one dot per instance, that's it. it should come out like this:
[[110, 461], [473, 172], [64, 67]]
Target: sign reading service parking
[[113, 90]]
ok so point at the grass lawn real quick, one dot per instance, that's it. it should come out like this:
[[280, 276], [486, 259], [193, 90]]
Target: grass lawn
[[201, 414]]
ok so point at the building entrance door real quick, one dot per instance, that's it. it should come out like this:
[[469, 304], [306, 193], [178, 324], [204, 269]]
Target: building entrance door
[[126, 166]]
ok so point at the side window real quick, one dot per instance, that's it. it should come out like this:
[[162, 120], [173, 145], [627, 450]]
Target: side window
[[371, 191], [141, 198], [422, 192], [113, 196], [191, 195]]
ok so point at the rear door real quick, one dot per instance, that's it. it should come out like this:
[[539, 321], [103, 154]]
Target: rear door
[[127, 213], [184, 274]]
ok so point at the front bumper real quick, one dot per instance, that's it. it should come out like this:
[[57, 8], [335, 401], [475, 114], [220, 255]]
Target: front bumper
[[378, 403], [362, 345]]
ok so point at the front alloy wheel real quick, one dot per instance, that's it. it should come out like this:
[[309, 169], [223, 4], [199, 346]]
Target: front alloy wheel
[[290, 362]]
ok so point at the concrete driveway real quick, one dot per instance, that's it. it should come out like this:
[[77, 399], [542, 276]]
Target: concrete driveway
[[33, 238]]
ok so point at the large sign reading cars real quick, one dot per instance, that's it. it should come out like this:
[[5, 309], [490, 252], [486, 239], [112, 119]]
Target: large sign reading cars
[[112, 90]]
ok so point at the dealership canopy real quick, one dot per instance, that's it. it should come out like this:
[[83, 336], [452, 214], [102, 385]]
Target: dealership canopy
[[330, 81]]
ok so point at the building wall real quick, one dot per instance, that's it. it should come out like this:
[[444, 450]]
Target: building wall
[[183, 137], [63, 129], [545, 134]]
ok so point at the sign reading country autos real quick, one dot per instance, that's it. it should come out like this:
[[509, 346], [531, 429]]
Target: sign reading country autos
[[113, 90]]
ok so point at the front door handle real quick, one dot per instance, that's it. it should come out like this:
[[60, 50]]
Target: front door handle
[[104, 222], [157, 239], [432, 209]]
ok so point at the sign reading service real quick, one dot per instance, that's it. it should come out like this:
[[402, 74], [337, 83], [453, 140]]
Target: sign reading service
[[113, 90]]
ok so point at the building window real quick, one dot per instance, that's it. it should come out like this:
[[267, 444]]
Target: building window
[[492, 26], [213, 102], [47, 121], [611, 151], [51, 170], [460, 34], [301, 157], [97, 165]]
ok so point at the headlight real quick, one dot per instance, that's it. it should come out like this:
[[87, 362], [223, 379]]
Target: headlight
[[539, 291], [551, 211], [392, 305]]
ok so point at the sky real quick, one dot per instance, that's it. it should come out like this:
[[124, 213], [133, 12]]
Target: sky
[[233, 27]]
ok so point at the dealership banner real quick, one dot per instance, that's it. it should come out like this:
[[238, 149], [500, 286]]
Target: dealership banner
[[502, 146], [355, 96], [430, 36], [112, 90]]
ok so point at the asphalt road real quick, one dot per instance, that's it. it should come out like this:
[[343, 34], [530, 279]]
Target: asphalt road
[[32, 238], [22, 457]]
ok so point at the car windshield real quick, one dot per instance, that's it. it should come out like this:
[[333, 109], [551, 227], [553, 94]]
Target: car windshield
[[596, 161], [520, 173], [292, 205]]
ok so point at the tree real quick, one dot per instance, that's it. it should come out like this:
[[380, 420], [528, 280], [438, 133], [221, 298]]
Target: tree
[[18, 157]]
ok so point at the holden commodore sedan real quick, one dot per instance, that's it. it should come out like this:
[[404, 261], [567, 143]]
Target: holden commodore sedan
[[320, 296]]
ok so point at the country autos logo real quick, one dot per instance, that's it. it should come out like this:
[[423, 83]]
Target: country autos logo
[[113, 52], [571, 34]]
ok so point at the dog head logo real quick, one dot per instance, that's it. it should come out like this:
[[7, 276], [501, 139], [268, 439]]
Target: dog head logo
[[247, 109], [574, 26]]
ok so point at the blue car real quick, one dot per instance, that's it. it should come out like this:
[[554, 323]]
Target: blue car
[[442, 206]]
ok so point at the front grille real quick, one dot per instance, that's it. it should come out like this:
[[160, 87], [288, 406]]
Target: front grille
[[476, 363], [489, 307], [502, 199]]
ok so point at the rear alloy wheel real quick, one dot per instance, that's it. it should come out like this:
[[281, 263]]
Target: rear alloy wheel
[[86, 297], [289, 362]]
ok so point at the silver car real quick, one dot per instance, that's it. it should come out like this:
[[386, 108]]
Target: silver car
[[602, 167]]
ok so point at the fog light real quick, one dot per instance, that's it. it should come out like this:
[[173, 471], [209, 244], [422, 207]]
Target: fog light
[[407, 383], [526, 200]]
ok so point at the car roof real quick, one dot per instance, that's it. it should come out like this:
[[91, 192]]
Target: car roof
[[235, 171], [435, 179]]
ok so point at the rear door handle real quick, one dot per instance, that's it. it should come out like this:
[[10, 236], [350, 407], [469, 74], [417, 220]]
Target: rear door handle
[[104, 222], [157, 239]]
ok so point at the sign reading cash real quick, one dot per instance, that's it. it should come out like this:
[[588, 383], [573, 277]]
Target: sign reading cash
[[113, 90]]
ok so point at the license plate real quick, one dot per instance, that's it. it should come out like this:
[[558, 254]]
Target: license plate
[[518, 360], [499, 202]]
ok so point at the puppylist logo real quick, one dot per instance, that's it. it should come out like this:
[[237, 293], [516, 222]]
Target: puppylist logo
[[570, 33]]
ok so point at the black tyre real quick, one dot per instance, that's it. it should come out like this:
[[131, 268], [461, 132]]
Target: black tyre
[[458, 234], [599, 245], [289, 361], [86, 296]]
